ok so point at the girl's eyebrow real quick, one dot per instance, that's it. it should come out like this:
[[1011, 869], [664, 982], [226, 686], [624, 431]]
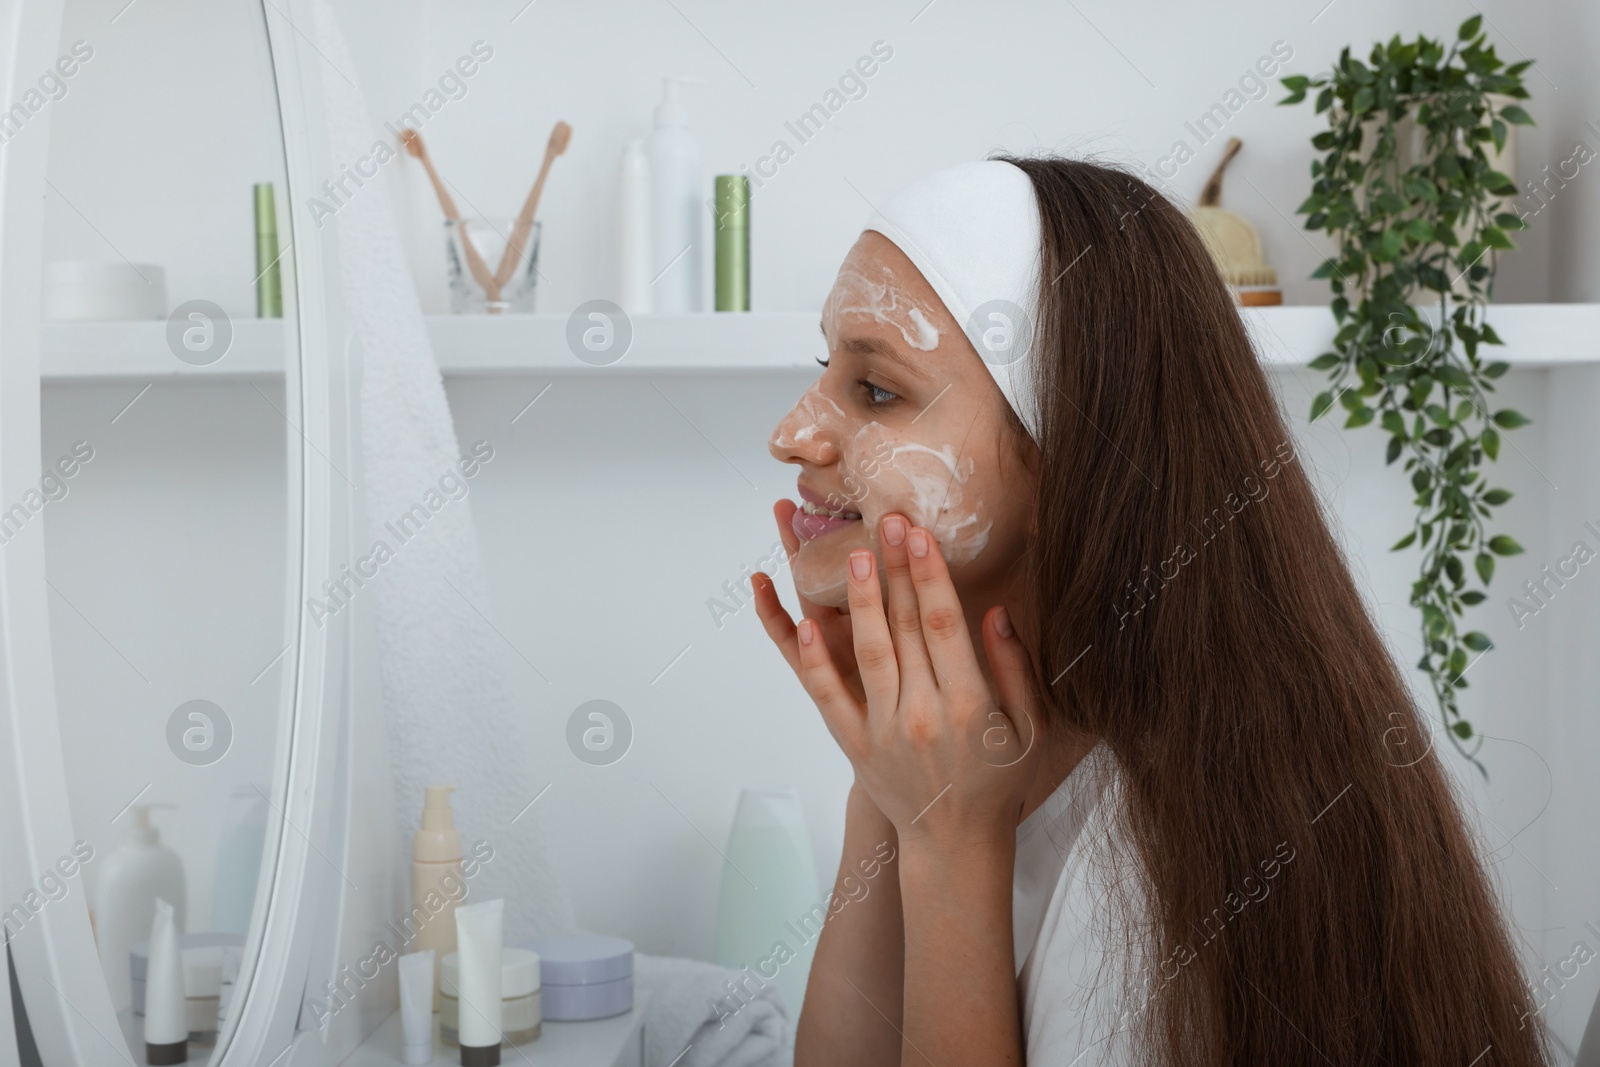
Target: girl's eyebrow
[[873, 346]]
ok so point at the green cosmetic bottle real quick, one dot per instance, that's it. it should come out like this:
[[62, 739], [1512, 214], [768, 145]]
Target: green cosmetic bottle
[[733, 242], [269, 280]]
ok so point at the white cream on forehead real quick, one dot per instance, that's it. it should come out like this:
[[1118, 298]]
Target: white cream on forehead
[[860, 289]]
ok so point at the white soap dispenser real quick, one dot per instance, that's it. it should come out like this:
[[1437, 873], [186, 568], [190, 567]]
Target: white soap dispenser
[[133, 877], [677, 205]]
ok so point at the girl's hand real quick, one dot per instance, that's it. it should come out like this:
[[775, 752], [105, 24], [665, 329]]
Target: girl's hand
[[834, 624], [924, 739]]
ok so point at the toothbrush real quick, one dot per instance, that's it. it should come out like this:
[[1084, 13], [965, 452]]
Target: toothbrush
[[560, 137], [480, 270]]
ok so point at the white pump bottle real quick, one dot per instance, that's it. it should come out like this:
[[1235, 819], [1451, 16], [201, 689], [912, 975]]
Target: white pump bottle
[[136, 873], [677, 206]]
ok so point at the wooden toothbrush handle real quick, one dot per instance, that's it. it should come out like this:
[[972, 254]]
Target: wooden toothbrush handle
[[519, 235], [476, 264]]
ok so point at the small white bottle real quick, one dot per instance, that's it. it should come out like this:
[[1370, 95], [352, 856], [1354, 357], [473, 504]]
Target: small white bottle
[[135, 875], [676, 206], [636, 235]]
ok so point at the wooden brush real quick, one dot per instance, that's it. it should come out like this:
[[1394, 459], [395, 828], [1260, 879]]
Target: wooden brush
[[560, 137], [412, 141]]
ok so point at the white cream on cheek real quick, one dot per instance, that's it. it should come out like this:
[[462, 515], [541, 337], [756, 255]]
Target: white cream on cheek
[[930, 485], [861, 289]]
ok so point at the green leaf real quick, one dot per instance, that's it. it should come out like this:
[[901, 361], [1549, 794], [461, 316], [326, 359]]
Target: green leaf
[[1295, 83], [1469, 28], [1404, 542], [1472, 598], [1326, 361], [1452, 567], [1362, 103], [1496, 369], [1485, 565], [1322, 403], [1495, 237], [1491, 443], [1461, 729], [1390, 246], [1499, 184], [1477, 642], [1514, 114], [1393, 451], [1419, 230], [1360, 417], [1504, 545], [1393, 204], [1495, 497], [1508, 419]]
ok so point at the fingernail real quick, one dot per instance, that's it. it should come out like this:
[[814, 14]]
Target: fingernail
[[860, 564], [805, 631], [918, 543], [894, 530], [1002, 623]]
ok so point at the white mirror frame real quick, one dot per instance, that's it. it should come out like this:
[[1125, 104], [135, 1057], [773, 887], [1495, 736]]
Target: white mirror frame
[[333, 678]]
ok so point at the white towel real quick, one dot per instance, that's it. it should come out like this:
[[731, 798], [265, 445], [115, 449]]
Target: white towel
[[711, 1016], [448, 704]]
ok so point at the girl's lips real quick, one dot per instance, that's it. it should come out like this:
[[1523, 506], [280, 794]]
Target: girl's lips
[[810, 527]]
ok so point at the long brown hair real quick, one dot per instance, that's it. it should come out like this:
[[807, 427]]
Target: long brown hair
[[1194, 611]]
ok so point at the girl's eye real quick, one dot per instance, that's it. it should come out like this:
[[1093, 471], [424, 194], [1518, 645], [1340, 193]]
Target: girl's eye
[[878, 396]]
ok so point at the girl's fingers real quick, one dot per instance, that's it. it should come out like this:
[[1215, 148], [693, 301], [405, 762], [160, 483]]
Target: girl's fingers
[[904, 618], [775, 619], [843, 715], [783, 511], [943, 624], [1013, 676], [874, 647]]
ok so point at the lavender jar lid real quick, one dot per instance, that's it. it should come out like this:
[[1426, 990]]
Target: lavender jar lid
[[581, 959]]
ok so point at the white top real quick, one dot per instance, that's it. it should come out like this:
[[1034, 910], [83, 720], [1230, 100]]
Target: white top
[[1069, 985]]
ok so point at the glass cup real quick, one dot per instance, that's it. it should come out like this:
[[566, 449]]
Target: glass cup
[[473, 248]]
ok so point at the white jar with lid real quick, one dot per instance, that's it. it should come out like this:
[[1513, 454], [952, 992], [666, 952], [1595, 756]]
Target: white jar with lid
[[520, 1011]]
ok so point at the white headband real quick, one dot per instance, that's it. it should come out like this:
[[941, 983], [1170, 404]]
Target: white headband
[[973, 232]]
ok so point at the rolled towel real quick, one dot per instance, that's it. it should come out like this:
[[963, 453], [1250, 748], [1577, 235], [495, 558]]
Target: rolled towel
[[702, 1015]]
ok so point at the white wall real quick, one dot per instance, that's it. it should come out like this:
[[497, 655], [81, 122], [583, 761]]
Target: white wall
[[608, 520]]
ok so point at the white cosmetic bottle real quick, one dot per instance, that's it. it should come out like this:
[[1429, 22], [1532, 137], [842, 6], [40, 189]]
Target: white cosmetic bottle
[[436, 882], [636, 235], [136, 873], [166, 1005], [676, 206]]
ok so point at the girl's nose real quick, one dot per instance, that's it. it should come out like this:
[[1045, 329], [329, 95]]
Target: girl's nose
[[808, 433]]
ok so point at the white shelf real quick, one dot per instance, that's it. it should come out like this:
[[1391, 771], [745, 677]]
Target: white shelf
[[111, 351], [614, 1042], [1536, 335]]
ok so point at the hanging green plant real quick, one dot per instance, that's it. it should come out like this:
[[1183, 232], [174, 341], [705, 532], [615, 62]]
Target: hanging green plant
[[1409, 192]]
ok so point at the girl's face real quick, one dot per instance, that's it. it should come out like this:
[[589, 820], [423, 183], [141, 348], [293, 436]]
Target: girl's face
[[906, 418]]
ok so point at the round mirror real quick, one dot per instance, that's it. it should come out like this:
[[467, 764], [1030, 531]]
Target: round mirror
[[170, 492]]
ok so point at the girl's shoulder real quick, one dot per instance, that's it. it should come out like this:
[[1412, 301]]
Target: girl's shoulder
[[1075, 984]]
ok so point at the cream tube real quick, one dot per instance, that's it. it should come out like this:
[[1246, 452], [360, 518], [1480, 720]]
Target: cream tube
[[166, 1005], [478, 953], [416, 1007]]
